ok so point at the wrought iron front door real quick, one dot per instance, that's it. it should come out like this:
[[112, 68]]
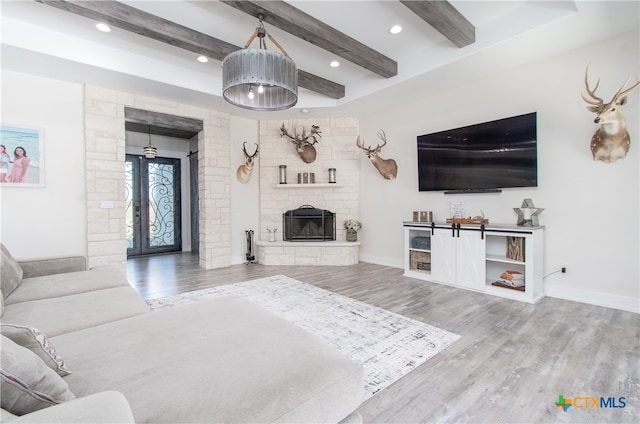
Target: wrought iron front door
[[153, 205]]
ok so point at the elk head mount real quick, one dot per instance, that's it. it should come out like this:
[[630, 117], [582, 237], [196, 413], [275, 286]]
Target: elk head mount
[[304, 142], [386, 167], [244, 171], [611, 141]]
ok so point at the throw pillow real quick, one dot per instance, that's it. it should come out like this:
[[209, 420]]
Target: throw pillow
[[27, 384], [10, 272], [38, 343]]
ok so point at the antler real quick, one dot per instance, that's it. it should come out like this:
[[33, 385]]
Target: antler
[[304, 138], [284, 131], [594, 100], [381, 135], [360, 144], [621, 93], [244, 149]]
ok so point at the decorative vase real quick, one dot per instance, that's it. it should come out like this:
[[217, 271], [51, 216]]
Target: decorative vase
[[352, 235], [272, 233]]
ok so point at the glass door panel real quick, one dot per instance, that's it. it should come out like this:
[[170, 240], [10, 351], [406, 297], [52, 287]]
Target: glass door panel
[[153, 218]]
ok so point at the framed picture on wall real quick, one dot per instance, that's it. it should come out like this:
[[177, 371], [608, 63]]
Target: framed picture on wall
[[21, 156]]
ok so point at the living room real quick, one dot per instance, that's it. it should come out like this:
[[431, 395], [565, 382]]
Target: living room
[[591, 193], [591, 208]]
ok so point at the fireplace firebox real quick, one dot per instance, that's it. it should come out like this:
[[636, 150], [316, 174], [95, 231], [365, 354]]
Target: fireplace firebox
[[308, 223]]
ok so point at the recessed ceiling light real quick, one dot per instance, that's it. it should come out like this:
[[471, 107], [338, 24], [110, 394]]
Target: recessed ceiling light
[[334, 64], [396, 29], [203, 59], [103, 27]]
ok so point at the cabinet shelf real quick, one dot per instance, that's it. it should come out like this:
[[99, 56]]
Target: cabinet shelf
[[420, 250], [503, 259]]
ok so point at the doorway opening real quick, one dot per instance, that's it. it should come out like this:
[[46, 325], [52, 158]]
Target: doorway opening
[[161, 192]]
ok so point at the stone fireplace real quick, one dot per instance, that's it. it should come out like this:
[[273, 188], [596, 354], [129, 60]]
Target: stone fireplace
[[308, 224], [336, 149]]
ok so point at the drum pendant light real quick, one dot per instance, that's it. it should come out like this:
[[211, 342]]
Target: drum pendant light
[[259, 79]]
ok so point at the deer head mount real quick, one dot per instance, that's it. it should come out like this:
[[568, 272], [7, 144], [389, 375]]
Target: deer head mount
[[244, 171], [304, 142], [611, 141], [386, 167]]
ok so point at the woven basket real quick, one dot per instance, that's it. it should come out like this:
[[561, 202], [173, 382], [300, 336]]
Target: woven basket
[[420, 260]]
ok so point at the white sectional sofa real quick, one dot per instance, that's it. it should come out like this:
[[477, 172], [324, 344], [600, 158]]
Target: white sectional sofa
[[94, 352]]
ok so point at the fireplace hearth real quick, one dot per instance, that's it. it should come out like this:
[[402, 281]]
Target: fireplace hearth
[[308, 223]]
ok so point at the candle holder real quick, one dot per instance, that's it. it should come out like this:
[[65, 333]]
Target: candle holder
[[283, 174], [332, 175]]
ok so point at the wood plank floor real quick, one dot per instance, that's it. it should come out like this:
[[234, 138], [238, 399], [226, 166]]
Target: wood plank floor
[[511, 364]]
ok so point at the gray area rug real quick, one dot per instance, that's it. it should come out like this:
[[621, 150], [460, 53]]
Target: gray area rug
[[388, 345]]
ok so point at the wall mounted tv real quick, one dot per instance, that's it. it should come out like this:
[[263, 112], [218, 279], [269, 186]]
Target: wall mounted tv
[[483, 157]]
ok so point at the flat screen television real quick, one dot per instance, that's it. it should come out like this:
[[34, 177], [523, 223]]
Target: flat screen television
[[481, 157]]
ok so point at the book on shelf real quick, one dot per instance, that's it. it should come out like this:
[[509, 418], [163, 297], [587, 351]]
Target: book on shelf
[[506, 286], [512, 278]]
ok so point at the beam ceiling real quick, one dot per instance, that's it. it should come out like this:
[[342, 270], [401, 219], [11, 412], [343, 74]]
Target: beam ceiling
[[441, 15], [294, 21], [445, 18], [131, 19]]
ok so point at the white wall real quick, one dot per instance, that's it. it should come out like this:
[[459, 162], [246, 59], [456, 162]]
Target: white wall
[[591, 208], [50, 220], [245, 198]]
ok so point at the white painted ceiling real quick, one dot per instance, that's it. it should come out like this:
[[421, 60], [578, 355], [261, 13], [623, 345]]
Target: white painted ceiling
[[46, 41]]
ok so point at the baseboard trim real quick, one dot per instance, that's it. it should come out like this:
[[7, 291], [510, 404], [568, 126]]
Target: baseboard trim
[[623, 303], [378, 260]]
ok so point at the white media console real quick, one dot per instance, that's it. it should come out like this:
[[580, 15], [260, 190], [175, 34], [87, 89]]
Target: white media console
[[473, 256]]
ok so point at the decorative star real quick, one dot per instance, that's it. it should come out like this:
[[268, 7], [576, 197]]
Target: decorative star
[[528, 214]]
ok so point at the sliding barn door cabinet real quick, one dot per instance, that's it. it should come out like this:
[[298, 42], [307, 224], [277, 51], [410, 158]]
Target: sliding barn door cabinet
[[482, 258]]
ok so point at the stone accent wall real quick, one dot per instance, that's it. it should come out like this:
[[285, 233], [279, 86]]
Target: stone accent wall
[[105, 173], [214, 180], [336, 149]]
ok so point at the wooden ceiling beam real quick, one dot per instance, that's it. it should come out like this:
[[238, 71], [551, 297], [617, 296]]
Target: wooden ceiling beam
[[144, 121], [445, 18], [294, 21], [134, 20]]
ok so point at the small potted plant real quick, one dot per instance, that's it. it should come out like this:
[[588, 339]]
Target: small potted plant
[[352, 226]]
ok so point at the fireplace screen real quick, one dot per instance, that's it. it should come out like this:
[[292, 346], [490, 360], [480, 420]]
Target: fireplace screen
[[309, 224]]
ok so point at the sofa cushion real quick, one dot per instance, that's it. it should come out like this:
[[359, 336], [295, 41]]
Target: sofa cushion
[[64, 314], [58, 285], [35, 267], [101, 408], [38, 343], [27, 383], [10, 272], [224, 359]]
